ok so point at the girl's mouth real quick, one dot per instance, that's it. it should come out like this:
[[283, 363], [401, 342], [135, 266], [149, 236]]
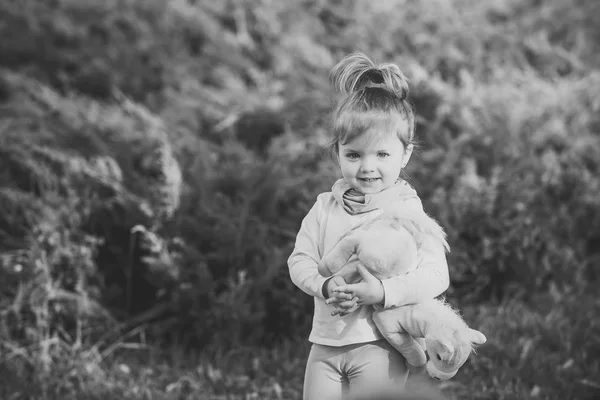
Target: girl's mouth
[[369, 180]]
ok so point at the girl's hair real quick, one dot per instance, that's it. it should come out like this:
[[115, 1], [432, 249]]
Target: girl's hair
[[374, 96]]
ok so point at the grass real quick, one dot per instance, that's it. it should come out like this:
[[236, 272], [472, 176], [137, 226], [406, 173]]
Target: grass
[[135, 371], [543, 349]]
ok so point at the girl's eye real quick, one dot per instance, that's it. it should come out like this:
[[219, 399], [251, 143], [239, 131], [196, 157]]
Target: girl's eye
[[352, 156], [383, 154]]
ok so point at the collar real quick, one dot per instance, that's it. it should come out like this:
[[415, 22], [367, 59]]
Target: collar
[[357, 203]]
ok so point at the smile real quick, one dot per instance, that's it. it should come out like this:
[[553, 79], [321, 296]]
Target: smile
[[368, 179]]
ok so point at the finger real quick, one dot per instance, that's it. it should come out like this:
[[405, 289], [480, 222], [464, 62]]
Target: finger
[[364, 273], [347, 304], [350, 310], [338, 297], [343, 296], [334, 300], [349, 289], [339, 312], [356, 307], [358, 301], [341, 307]]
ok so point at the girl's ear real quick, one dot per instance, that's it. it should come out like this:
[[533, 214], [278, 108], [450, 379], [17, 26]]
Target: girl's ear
[[407, 153], [335, 154]]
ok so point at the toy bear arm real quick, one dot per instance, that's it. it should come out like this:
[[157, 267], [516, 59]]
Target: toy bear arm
[[403, 341]]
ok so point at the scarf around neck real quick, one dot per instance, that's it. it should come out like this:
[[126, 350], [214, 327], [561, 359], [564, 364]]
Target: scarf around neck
[[357, 203]]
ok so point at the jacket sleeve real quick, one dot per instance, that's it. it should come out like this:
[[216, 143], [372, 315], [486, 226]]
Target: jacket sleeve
[[431, 277], [304, 259]]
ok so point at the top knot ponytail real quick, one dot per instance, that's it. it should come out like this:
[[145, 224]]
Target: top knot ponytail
[[395, 81], [357, 72], [375, 99]]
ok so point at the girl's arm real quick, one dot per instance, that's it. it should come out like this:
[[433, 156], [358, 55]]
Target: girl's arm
[[431, 277], [428, 280], [303, 262]]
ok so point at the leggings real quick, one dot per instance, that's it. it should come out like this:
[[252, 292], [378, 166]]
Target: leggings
[[334, 373]]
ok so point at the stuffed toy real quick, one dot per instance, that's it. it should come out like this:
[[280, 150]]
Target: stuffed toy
[[387, 246]]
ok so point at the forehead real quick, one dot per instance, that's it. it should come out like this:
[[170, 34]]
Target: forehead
[[374, 140], [371, 127]]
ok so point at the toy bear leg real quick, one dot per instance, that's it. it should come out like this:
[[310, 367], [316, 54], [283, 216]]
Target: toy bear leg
[[408, 347], [337, 257], [389, 324]]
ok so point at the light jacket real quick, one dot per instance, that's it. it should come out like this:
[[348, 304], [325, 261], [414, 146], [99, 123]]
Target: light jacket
[[321, 229]]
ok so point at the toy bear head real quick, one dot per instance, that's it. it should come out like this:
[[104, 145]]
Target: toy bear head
[[449, 350]]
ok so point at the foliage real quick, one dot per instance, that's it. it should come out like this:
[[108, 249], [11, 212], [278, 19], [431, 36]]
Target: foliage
[[114, 160], [157, 157]]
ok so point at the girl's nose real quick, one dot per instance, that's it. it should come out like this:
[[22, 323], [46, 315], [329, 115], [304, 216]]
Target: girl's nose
[[367, 165]]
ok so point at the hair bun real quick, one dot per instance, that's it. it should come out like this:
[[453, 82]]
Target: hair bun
[[395, 80], [371, 77], [356, 72]]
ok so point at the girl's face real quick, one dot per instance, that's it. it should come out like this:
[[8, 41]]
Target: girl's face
[[372, 162]]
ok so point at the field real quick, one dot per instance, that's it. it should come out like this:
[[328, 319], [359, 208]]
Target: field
[[157, 157]]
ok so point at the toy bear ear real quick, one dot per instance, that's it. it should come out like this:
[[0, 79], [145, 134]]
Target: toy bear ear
[[477, 337]]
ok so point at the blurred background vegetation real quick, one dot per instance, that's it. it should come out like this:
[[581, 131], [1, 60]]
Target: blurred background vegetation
[[157, 157]]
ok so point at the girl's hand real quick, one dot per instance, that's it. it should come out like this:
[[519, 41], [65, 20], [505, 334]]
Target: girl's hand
[[368, 291], [335, 282], [343, 303], [345, 307]]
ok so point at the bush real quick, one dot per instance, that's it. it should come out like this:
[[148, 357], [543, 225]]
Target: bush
[[115, 159], [514, 180]]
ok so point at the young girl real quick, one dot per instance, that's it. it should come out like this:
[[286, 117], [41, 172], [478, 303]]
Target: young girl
[[373, 136]]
